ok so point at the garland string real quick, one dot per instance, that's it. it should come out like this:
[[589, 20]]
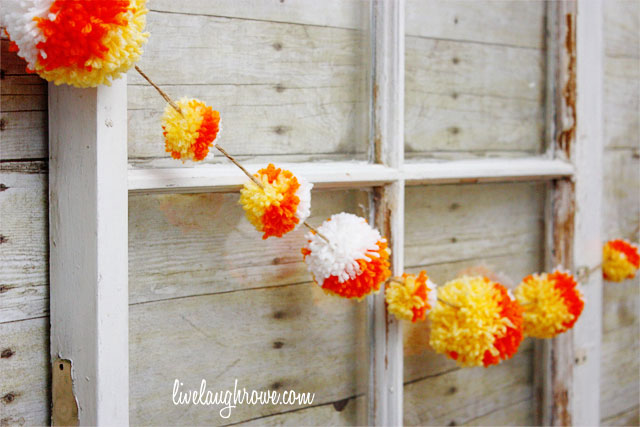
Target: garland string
[[222, 150], [438, 298]]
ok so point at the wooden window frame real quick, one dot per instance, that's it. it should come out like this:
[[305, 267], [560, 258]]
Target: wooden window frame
[[89, 183]]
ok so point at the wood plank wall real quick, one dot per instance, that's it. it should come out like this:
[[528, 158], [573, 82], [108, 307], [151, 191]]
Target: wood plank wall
[[24, 245], [620, 388]]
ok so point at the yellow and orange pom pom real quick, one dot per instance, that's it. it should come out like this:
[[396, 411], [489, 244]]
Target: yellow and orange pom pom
[[279, 207], [410, 297], [476, 322], [188, 136], [620, 260], [353, 263], [81, 43], [552, 303]]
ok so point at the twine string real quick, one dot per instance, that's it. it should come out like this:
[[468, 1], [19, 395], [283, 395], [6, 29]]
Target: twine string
[[222, 150]]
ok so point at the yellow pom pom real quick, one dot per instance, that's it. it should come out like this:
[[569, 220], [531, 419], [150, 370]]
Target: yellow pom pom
[[620, 260], [475, 322], [189, 133], [410, 297], [551, 302]]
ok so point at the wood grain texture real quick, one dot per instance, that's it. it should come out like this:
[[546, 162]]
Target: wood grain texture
[[23, 112], [182, 245], [518, 24], [24, 247], [276, 338], [24, 372], [468, 97], [291, 90]]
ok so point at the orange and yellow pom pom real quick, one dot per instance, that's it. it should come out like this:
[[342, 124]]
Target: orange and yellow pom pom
[[189, 135], [552, 303], [81, 43], [279, 207], [475, 322], [410, 297], [620, 260], [353, 263]]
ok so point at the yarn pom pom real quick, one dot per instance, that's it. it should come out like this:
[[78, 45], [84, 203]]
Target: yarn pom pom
[[410, 297], [620, 260], [189, 135], [81, 43], [552, 303], [476, 322], [279, 207], [354, 261]]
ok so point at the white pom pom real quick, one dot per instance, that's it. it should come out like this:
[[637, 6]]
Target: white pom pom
[[17, 17], [304, 194], [350, 239]]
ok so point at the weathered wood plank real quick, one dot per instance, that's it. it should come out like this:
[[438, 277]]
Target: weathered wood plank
[[462, 97], [622, 21], [278, 338], [263, 86], [627, 418], [24, 372], [513, 23], [453, 223], [621, 196], [462, 396], [24, 247], [182, 245], [23, 106], [622, 102]]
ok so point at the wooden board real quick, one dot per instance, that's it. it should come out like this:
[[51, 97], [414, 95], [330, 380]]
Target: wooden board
[[23, 117], [283, 89], [278, 338], [24, 372], [465, 97], [24, 248]]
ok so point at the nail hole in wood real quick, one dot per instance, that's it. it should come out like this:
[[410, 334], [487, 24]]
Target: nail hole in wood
[[277, 46], [3, 239], [3, 187], [61, 367], [9, 397], [7, 353], [455, 60], [3, 124], [340, 404], [278, 344]]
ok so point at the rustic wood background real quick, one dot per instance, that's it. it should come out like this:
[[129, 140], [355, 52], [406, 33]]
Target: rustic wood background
[[210, 300]]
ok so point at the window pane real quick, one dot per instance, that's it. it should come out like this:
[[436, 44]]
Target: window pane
[[475, 78], [289, 78], [211, 300], [474, 229]]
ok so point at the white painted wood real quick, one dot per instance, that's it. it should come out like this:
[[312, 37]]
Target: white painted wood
[[88, 246], [587, 243], [387, 142], [207, 178]]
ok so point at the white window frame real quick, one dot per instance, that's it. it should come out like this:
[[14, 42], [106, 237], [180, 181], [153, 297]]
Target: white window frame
[[89, 183]]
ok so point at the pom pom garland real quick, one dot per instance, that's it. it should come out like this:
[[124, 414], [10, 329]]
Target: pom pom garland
[[476, 322], [620, 260], [190, 132], [410, 297], [552, 303], [81, 43], [353, 262], [280, 205]]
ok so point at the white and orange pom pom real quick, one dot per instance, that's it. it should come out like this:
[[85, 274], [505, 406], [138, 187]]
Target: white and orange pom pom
[[410, 297], [552, 303], [353, 263], [476, 322], [80, 43], [281, 206], [190, 133], [620, 260]]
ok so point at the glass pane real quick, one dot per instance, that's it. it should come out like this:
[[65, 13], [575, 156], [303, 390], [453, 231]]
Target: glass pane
[[475, 78], [475, 229], [289, 78], [210, 300]]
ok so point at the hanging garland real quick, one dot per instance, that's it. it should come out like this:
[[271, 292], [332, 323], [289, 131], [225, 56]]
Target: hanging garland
[[80, 43], [474, 320]]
